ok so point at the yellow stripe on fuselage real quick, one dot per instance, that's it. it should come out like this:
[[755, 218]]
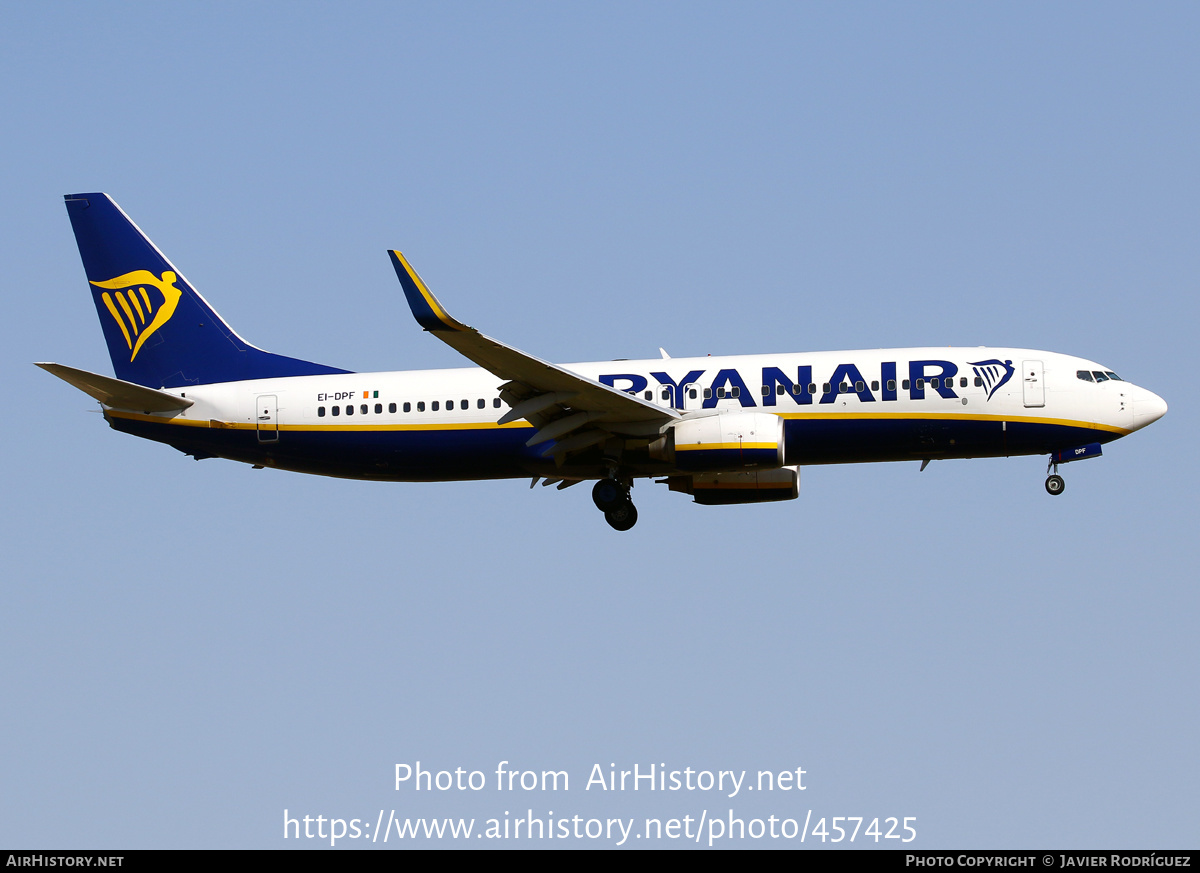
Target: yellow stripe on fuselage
[[491, 425], [953, 416]]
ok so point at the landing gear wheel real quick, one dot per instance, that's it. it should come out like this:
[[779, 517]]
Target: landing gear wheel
[[608, 494], [1055, 484], [622, 517]]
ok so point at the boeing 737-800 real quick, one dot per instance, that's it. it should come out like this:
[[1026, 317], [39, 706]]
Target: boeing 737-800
[[725, 430]]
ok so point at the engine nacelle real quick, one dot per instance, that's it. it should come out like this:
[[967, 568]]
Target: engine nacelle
[[726, 441], [748, 486]]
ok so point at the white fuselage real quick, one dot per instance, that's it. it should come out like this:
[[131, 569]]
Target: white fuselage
[[838, 407]]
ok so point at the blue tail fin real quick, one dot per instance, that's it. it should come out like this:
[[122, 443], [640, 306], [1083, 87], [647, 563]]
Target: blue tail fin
[[160, 332]]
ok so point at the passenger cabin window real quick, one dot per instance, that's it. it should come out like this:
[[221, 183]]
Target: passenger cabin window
[[649, 395], [320, 412], [766, 389], [874, 384], [379, 408], [363, 409], [860, 387], [920, 384], [420, 406], [407, 407], [891, 384], [825, 388], [336, 410], [707, 393], [481, 403], [464, 404], [812, 387], [692, 393], [962, 383], [843, 388], [978, 381], [720, 392], [737, 392], [392, 407], [904, 384], [349, 410]]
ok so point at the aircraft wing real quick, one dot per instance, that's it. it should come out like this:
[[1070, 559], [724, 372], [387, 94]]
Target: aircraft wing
[[118, 393], [573, 410]]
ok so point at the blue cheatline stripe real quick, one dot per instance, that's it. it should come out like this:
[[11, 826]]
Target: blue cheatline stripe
[[480, 450]]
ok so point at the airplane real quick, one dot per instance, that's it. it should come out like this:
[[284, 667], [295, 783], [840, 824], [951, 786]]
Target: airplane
[[724, 430]]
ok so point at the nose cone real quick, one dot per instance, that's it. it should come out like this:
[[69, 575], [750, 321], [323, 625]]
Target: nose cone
[[1148, 408]]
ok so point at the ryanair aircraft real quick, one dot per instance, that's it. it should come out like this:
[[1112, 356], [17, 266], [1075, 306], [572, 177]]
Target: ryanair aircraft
[[722, 429]]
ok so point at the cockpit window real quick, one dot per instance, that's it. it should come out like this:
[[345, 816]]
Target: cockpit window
[[1100, 377], [1110, 374], [1084, 375]]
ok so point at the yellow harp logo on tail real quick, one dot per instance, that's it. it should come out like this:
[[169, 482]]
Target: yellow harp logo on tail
[[138, 311]]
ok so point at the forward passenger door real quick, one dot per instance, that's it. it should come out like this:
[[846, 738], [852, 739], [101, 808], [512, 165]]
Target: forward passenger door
[[1033, 383]]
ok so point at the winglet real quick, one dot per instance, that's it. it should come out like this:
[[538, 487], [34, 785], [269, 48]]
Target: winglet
[[429, 313], [538, 381]]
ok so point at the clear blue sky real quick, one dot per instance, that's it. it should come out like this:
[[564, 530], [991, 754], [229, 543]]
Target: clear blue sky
[[190, 648]]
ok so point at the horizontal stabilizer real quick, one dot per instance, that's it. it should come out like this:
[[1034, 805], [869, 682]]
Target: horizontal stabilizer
[[118, 393]]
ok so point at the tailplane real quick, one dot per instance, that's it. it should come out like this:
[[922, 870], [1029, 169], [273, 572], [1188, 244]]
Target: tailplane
[[160, 332]]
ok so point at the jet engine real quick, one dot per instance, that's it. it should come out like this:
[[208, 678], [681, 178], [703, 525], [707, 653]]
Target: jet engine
[[747, 486], [727, 441]]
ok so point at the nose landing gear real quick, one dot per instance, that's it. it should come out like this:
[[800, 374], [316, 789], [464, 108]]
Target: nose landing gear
[[1054, 482], [611, 497]]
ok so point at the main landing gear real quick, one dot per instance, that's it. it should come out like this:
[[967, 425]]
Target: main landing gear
[[611, 497], [1054, 482]]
